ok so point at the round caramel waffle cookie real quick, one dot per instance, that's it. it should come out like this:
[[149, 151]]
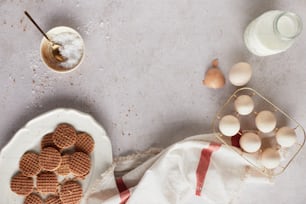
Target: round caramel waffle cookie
[[84, 143], [21, 184], [79, 164], [64, 135], [71, 192], [47, 141], [49, 159], [64, 169], [46, 182], [53, 200], [33, 199], [29, 165]]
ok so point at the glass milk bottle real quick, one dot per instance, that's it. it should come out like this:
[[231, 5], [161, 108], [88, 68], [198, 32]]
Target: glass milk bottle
[[272, 32]]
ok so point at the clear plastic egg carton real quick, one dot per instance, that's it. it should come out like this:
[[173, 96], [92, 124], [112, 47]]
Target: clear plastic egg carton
[[247, 124]]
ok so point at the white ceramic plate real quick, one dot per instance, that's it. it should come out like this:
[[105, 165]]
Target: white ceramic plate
[[29, 137]]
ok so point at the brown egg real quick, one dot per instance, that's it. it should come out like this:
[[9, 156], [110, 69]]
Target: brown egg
[[214, 78]]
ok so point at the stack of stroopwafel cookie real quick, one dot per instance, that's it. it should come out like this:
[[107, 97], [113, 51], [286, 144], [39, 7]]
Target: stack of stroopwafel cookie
[[53, 176]]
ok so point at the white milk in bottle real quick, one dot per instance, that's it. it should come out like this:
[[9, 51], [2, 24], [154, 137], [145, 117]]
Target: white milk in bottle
[[272, 32]]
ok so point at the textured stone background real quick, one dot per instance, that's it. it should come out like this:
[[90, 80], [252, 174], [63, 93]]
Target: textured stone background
[[141, 77]]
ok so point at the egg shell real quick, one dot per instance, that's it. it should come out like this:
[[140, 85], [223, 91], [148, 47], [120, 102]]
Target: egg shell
[[286, 136], [265, 121], [250, 142], [270, 158], [244, 104], [240, 74], [214, 78], [229, 125]]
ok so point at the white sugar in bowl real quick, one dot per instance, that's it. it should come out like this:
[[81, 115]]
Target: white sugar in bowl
[[229, 125], [250, 142], [286, 136], [71, 49], [265, 121], [270, 158], [244, 104]]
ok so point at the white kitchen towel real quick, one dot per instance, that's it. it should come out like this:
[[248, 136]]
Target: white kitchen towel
[[196, 170]]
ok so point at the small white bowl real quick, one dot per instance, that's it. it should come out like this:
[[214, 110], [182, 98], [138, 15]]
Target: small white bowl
[[46, 50]]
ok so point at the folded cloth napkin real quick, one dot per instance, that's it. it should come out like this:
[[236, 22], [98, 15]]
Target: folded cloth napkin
[[196, 170]]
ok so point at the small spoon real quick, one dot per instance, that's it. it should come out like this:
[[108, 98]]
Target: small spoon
[[55, 46]]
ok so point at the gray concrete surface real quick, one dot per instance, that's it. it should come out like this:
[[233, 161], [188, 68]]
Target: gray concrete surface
[[143, 70]]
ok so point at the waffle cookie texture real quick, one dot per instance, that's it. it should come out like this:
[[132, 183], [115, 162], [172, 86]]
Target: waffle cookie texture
[[64, 169], [84, 143], [49, 159], [33, 199], [53, 200], [64, 136], [79, 164], [47, 182], [29, 164], [47, 141], [71, 192], [22, 185]]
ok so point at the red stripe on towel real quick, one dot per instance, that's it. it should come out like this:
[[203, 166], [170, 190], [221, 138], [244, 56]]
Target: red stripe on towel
[[124, 191], [203, 165]]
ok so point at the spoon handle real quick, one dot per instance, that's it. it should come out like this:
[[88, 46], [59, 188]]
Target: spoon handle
[[31, 19]]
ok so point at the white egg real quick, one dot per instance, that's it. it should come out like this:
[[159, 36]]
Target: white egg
[[244, 104], [286, 136], [250, 142], [265, 121], [240, 74], [229, 125], [270, 158]]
